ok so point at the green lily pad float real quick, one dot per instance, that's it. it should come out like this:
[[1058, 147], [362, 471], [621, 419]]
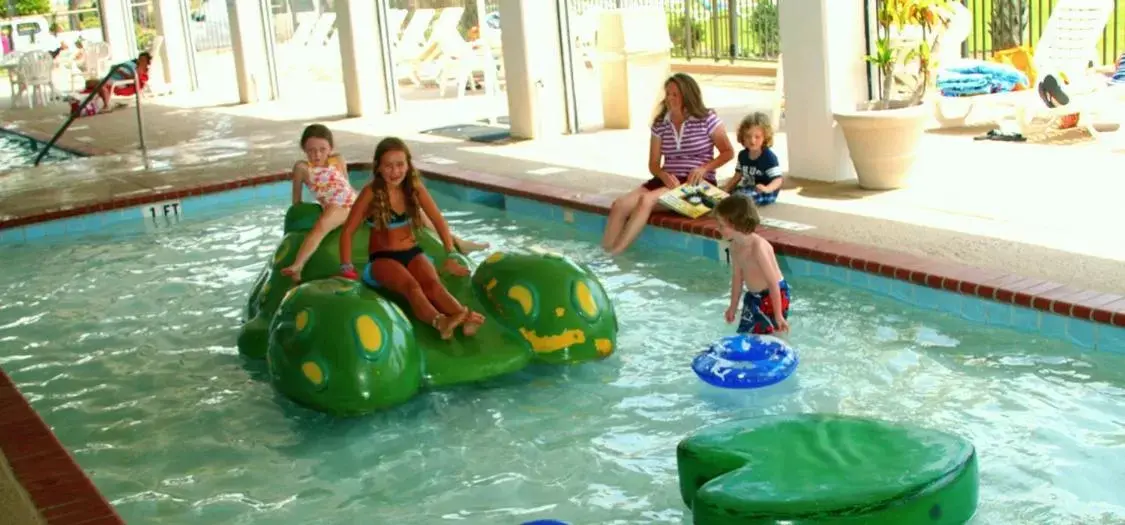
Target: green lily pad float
[[820, 468]]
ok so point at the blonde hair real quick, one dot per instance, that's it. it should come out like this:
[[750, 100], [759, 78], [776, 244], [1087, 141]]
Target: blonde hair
[[691, 95], [756, 120], [380, 210]]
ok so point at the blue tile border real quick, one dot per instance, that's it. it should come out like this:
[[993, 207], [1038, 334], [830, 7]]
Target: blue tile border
[[1080, 332]]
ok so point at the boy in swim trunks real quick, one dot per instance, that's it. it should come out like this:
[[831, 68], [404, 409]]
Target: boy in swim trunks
[[765, 304]]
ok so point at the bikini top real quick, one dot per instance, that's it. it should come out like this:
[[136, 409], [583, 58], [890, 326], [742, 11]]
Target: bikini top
[[398, 220]]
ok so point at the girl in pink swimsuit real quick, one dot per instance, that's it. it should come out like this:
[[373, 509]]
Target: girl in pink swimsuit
[[326, 174]]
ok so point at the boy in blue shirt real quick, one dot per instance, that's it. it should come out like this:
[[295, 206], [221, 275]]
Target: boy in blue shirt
[[758, 173]]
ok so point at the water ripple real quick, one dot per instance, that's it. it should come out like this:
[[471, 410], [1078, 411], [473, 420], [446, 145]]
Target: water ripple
[[126, 346]]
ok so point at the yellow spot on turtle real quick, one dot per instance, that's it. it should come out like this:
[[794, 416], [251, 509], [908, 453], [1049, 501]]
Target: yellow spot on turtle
[[282, 251], [494, 257], [313, 372], [522, 295], [491, 284], [603, 346], [552, 343], [265, 290], [586, 303], [370, 336], [302, 320], [560, 311]]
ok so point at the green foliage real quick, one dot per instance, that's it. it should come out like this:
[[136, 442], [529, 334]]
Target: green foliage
[[31, 7], [677, 31], [893, 17], [765, 29], [1009, 20]]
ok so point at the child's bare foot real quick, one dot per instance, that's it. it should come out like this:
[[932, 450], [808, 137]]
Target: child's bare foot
[[471, 246], [292, 272], [446, 324], [472, 323]]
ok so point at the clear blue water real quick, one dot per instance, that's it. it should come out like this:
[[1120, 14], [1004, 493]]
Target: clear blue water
[[18, 152], [125, 345]]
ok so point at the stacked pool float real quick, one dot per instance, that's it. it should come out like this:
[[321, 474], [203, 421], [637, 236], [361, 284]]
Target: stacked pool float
[[341, 347], [822, 468]]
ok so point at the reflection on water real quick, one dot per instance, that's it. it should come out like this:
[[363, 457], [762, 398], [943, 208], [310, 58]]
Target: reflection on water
[[126, 346]]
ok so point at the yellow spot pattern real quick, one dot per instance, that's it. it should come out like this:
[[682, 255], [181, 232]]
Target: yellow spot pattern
[[302, 320], [370, 336], [603, 346], [586, 303], [491, 284], [553, 343], [494, 257], [560, 311], [282, 251], [288, 295], [313, 372], [265, 290], [522, 295]]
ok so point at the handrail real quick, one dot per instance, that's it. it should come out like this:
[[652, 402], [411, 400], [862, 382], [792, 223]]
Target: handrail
[[96, 91]]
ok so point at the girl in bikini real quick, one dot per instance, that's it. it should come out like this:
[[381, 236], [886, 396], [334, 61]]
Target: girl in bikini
[[326, 175], [393, 204]]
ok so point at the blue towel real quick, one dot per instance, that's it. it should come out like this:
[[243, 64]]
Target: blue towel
[[1119, 74], [954, 84], [980, 77]]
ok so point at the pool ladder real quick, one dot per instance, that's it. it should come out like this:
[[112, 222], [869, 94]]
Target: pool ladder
[[78, 110]]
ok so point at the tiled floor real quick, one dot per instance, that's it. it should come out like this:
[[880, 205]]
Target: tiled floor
[[1040, 210]]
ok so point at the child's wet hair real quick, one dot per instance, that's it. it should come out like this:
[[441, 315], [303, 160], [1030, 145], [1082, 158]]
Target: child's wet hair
[[740, 212], [756, 120], [317, 131]]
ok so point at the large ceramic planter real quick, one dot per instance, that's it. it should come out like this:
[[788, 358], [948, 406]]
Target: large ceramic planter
[[883, 143]]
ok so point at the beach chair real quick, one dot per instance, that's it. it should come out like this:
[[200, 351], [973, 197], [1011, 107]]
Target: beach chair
[[409, 47], [427, 65], [1067, 46]]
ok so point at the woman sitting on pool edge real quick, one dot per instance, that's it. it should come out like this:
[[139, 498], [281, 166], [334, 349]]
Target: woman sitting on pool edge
[[685, 133], [393, 203]]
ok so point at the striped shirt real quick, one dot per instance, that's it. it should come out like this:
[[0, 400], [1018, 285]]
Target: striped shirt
[[691, 147]]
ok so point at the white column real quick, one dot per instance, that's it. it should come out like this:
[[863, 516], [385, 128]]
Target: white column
[[173, 58], [117, 27], [248, 39], [360, 59], [529, 34], [823, 43]]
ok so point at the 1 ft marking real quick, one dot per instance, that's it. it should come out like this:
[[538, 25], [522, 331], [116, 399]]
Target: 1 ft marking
[[167, 212]]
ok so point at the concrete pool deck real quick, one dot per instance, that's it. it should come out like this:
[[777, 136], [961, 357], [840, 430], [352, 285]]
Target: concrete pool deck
[[1006, 239]]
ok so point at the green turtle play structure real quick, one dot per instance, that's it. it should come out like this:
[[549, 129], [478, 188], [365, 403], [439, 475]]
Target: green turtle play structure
[[341, 347], [821, 468]]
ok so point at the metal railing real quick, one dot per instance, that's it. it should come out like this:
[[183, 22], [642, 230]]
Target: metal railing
[[78, 111], [1025, 28]]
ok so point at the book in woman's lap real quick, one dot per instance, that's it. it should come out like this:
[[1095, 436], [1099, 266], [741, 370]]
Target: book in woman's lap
[[693, 200]]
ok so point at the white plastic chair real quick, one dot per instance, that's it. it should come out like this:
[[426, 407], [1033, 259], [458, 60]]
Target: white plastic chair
[[1067, 45], [35, 73]]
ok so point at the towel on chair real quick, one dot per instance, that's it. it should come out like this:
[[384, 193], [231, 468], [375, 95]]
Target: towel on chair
[[979, 78]]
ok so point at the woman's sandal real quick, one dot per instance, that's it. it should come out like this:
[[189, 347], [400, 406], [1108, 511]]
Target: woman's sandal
[[473, 322], [446, 324]]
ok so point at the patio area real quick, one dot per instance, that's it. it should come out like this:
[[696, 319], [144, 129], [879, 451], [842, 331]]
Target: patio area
[[1040, 209]]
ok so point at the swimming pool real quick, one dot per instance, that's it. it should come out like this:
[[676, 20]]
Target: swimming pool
[[125, 345], [18, 151]]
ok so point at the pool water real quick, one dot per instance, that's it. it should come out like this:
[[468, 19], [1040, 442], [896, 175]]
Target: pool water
[[125, 345], [19, 152]]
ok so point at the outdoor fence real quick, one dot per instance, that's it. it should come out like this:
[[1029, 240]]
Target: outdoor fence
[[1001, 24]]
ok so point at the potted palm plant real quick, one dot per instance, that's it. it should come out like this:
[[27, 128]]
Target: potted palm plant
[[883, 135]]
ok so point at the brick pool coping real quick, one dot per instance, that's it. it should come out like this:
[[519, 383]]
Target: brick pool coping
[[65, 495]]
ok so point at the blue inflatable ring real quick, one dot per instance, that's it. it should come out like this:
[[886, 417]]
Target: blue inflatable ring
[[745, 361]]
